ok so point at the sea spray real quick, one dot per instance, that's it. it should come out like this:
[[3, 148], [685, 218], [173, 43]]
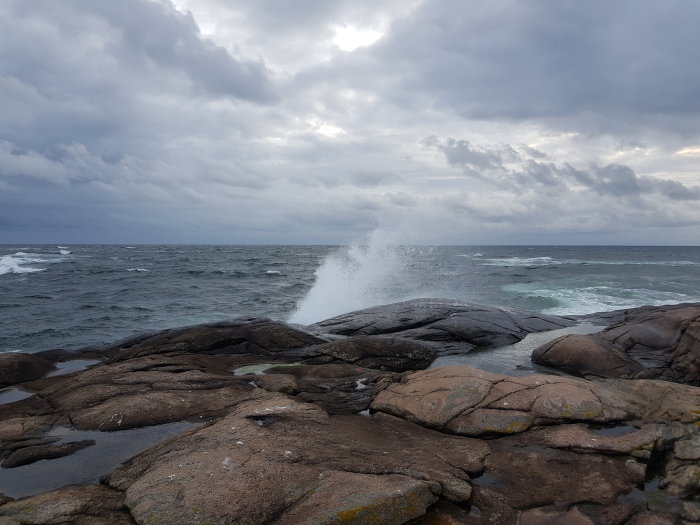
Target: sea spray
[[357, 277]]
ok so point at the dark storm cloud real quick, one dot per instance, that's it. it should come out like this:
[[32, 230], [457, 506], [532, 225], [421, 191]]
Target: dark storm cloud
[[606, 62], [138, 37], [170, 40], [254, 121]]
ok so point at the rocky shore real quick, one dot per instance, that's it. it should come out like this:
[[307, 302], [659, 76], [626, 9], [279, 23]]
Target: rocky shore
[[349, 423]]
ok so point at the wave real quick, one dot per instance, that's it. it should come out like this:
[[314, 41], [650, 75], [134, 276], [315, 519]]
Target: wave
[[357, 277], [137, 270], [591, 299], [64, 252], [550, 261], [16, 264], [273, 272]]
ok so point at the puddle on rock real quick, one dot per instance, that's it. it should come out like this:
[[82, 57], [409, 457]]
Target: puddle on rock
[[258, 369], [10, 395], [514, 360], [87, 465], [76, 365]]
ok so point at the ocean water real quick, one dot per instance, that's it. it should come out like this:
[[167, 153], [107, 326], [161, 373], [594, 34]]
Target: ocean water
[[83, 295]]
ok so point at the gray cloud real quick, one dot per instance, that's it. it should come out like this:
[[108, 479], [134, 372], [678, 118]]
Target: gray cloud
[[607, 65], [611, 179], [244, 122]]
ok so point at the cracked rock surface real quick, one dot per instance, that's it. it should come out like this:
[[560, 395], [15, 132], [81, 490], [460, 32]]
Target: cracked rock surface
[[279, 459]]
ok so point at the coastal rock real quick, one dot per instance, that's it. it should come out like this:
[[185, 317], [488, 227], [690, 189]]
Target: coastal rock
[[30, 454], [148, 390], [472, 402], [659, 343], [521, 475], [18, 368], [257, 336], [278, 458], [79, 505], [458, 327], [392, 353], [339, 389]]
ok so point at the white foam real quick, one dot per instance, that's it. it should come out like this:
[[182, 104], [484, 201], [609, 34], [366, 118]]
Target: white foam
[[137, 270], [354, 278], [16, 264], [590, 299], [273, 272], [549, 261], [521, 261]]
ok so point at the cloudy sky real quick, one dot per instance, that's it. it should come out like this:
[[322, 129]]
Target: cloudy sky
[[317, 121]]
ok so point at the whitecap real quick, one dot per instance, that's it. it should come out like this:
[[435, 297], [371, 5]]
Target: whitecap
[[137, 270], [590, 299], [273, 272], [14, 264], [64, 252], [521, 261]]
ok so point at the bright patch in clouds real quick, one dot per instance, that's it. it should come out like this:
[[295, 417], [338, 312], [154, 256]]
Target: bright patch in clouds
[[692, 151], [349, 38]]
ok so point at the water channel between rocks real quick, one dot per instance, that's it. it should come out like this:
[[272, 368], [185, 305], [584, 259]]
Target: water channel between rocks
[[514, 360], [88, 464]]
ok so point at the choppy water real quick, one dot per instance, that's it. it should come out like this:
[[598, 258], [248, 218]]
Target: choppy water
[[73, 296]]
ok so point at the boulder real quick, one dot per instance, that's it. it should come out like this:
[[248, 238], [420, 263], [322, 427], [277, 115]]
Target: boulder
[[18, 368], [458, 327], [659, 343], [277, 458]]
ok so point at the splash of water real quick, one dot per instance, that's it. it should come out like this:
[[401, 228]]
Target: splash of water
[[356, 277]]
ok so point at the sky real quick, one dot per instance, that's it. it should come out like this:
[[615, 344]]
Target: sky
[[319, 121]]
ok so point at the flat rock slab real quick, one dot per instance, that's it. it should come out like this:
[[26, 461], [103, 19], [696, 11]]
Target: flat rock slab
[[472, 402], [659, 343], [81, 505], [457, 326], [276, 458]]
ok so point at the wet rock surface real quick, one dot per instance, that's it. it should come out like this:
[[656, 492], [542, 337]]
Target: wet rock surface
[[350, 428], [456, 326], [18, 368], [656, 343]]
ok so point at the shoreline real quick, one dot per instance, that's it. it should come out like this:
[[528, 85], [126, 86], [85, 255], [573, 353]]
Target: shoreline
[[376, 371]]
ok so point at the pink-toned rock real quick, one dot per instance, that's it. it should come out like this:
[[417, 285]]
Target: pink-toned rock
[[81, 505], [472, 402], [276, 457]]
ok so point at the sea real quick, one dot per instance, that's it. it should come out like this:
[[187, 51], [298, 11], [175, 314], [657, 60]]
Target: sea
[[74, 296]]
